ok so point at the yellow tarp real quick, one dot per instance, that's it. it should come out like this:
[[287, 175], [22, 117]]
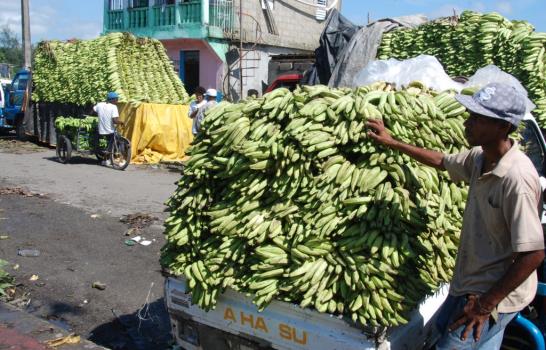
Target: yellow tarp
[[158, 132]]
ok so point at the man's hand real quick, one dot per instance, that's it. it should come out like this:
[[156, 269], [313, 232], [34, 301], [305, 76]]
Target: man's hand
[[474, 316], [382, 136], [378, 132], [118, 121]]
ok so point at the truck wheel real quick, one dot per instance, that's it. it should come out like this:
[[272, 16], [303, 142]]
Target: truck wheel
[[64, 149], [20, 129]]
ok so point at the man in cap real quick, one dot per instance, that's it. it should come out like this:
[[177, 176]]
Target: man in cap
[[210, 97], [108, 118], [501, 241]]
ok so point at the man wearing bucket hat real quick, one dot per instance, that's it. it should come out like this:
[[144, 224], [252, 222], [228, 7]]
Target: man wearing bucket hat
[[501, 241], [108, 118], [210, 98]]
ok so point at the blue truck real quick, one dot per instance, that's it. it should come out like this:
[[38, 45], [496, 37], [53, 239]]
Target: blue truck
[[13, 101]]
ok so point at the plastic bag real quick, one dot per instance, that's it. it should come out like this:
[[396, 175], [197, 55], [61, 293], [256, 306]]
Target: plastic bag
[[424, 68], [493, 74]]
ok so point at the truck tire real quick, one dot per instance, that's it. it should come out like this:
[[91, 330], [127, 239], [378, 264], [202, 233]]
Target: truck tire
[[20, 129]]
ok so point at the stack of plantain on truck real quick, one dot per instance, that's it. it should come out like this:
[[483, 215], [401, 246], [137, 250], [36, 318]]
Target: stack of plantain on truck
[[82, 72], [471, 41], [70, 77], [285, 197]]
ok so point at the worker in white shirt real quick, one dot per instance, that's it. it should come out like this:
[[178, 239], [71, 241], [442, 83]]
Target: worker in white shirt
[[108, 117]]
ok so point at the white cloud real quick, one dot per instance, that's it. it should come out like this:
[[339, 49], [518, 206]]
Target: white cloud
[[47, 23], [11, 15], [416, 2], [503, 7], [444, 11], [478, 6], [41, 20], [80, 30]]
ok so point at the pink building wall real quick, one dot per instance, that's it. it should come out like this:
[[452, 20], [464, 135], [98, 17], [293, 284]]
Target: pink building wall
[[210, 65]]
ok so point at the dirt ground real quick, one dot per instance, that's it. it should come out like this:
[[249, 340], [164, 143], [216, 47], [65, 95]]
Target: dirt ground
[[72, 214]]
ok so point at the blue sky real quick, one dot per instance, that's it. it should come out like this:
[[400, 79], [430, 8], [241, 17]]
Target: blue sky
[[65, 19], [533, 11]]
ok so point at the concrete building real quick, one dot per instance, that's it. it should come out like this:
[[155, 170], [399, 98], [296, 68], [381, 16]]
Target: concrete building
[[211, 44]]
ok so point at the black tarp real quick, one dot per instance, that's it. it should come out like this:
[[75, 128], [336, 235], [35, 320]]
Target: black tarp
[[336, 35], [363, 46]]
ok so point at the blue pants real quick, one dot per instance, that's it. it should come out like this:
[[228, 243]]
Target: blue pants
[[492, 333]]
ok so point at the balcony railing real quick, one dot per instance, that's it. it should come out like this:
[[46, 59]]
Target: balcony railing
[[221, 16], [115, 19], [164, 15], [138, 18], [190, 12]]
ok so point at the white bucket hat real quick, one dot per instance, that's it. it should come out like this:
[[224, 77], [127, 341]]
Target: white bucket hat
[[211, 92]]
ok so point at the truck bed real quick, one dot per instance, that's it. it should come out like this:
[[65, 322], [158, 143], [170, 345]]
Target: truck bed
[[286, 326]]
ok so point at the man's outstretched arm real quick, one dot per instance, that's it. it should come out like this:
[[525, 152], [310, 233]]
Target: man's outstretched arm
[[425, 156]]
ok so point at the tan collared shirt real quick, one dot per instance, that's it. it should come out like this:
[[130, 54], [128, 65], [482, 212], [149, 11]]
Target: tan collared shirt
[[500, 219]]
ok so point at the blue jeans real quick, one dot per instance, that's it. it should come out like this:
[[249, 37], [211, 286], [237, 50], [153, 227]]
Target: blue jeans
[[492, 333]]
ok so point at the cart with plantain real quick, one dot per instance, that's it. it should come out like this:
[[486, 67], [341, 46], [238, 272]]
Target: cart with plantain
[[80, 135]]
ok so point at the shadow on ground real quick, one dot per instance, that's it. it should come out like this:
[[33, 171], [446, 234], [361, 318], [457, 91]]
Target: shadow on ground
[[10, 144], [76, 159], [148, 328]]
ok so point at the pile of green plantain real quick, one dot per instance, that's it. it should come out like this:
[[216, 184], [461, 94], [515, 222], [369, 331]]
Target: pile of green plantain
[[81, 72], [286, 197], [80, 131], [471, 41]]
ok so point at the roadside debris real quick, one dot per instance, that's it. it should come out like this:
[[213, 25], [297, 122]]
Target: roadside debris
[[138, 220], [34, 278], [95, 216], [2, 237], [20, 302], [28, 252], [131, 231], [99, 285], [176, 166], [69, 339], [140, 240], [6, 281], [130, 242], [19, 191]]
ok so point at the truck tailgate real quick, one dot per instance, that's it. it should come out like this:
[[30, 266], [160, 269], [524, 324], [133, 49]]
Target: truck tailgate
[[287, 326]]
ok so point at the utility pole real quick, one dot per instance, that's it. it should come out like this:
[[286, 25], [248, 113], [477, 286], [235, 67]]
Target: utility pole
[[241, 48], [26, 34], [26, 108]]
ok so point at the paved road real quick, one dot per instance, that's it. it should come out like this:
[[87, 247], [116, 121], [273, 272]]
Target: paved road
[[78, 248], [87, 185]]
